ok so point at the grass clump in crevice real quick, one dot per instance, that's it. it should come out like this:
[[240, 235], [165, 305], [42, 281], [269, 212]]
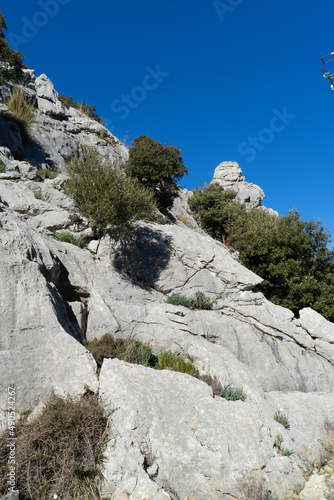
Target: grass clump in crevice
[[2, 167], [60, 452], [252, 487], [282, 419], [47, 173], [69, 238], [23, 113], [178, 300], [233, 393], [200, 301], [129, 350], [167, 360]]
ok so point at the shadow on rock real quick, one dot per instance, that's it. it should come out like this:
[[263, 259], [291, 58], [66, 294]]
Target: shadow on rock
[[145, 256]]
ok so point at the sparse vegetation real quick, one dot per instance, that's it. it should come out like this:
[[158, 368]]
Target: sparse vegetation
[[129, 350], [2, 167], [12, 58], [48, 173], [60, 452], [87, 109], [233, 393], [157, 167], [112, 201], [167, 360], [39, 195], [69, 238], [200, 301], [252, 487], [23, 113], [178, 300], [282, 419]]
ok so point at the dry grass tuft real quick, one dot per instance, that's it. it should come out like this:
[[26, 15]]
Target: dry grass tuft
[[60, 452]]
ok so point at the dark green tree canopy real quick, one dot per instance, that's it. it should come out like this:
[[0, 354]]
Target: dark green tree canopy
[[158, 167], [10, 58], [292, 256]]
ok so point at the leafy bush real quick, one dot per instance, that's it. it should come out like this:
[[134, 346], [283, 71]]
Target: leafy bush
[[200, 301], [111, 200], [157, 167], [88, 109], [219, 214], [11, 58], [23, 113], [68, 238], [47, 173], [282, 419], [178, 300], [292, 256], [233, 394], [129, 350], [60, 452]]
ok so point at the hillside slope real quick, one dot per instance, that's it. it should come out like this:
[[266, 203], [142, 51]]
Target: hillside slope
[[170, 436]]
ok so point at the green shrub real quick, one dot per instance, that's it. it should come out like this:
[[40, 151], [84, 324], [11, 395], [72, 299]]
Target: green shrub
[[69, 238], [167, 360], [2, 167], [282, 419], [129, 350], [233, 394], [219, 214], [23, 113], [293, 257], [200, 301], [8, 56], [178, 300], [60, 452], [157, 167], [47, 173], [108, 198]]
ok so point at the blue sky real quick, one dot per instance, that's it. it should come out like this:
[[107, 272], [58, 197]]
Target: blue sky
[[219, 79]]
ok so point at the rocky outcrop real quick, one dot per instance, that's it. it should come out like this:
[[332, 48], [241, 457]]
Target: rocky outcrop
[[170, 437], [229, 175]]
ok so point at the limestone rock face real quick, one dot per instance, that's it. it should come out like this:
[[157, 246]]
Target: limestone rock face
[[170, 438], [229, 175]]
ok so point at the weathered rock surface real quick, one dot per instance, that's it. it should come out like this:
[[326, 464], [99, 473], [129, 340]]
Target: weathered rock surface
[[170, 437], [229, 175]]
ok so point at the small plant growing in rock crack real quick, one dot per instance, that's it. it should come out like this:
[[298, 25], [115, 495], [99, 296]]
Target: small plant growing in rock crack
[[252, 487], [167, 360], [282, 419], [233, 394], [39, 195], [200, 301], [22, 113], [2, 167], [286, 452], [47, 173], [178, 300], [69, 238]]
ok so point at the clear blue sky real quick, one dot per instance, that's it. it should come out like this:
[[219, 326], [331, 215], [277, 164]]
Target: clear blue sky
[[212, 78]]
